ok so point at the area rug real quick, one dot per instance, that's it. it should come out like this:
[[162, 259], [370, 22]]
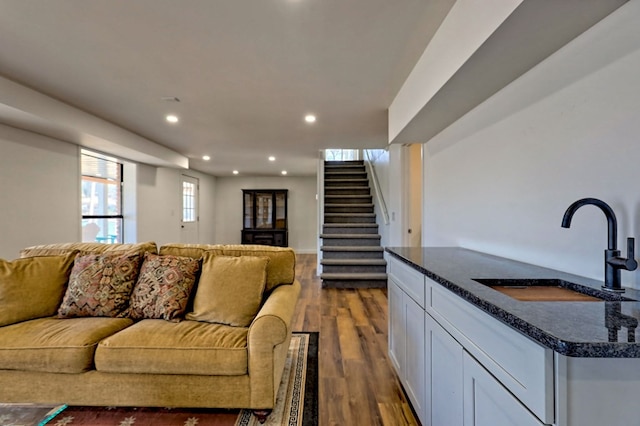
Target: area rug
[[27, 414], [296, 405]]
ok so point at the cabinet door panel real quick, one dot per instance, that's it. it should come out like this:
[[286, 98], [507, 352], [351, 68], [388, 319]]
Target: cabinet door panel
[[264, 210], [446, 376], [396, 328], [488, 403], [523, 366], [415, 355]]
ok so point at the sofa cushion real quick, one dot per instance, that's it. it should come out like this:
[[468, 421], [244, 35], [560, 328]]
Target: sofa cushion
[[187, 347], [64, 248], [163, 287], [230, 289], [195, 251], [32, 288], [282, 261], [55, 345], [100, 285]]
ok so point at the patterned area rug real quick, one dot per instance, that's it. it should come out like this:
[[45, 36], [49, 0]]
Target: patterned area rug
[[297, 402], [27, 414]]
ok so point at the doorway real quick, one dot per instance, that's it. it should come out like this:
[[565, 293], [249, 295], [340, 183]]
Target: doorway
[[412, 192], [190, 216]]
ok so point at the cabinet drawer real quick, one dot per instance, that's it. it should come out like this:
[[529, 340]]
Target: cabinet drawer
[[410, 280], [520, 364]]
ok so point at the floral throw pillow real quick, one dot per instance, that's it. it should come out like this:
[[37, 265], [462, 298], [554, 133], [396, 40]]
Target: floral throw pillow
[[164, 287], [100, 285]]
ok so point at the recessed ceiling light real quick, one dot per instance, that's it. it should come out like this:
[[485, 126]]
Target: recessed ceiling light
[[310, 118], [284, 172], [235, 172], [206, 158], [172, 118], [272, 158]]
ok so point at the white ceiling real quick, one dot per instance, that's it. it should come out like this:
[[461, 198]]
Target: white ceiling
[[246, 72]]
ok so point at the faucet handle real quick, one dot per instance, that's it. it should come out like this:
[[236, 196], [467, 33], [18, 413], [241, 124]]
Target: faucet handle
[[631, 263]]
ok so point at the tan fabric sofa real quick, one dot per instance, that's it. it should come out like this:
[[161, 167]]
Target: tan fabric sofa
[[151, 362]]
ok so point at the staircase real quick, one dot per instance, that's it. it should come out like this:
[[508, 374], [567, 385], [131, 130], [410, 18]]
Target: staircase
[[351, 253]]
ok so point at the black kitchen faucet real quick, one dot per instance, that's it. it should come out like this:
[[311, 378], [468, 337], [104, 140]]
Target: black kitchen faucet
[[613, 262]]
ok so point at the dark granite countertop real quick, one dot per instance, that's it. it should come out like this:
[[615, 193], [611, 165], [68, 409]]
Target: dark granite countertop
[[576, 329]]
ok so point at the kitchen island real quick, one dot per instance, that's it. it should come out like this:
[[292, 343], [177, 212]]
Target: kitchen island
[[469, 354]]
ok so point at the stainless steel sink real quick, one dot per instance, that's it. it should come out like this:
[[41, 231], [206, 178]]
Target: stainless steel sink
[[549, 290]]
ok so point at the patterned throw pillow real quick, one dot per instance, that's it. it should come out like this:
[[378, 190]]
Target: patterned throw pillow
[[164, 287], [100, 285]]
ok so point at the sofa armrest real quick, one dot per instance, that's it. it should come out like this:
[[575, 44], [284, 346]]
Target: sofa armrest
[[268, 343], [272, 325]]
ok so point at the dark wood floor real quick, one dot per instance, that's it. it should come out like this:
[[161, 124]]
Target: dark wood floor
[[357, 384]]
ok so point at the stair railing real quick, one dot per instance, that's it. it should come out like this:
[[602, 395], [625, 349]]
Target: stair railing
[[376, 186]]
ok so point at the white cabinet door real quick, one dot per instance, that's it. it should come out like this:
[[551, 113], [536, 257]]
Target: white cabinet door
[[488, 403], [397, 327], [523, 366], [445, 365], [415, 355], [406, 344]]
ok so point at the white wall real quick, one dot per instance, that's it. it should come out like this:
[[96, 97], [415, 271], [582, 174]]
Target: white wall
[[159, 204], [39, 189], [40, 193], [467, 25], [302, 208], [500, 178]]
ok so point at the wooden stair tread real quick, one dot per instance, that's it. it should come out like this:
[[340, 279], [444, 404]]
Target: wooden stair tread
[[351, 248], [348, 196], [354, 276], [359, 205], [347, 187], [348, 204], [334, 179], [351, 214], [351, 225], [359, 262], [350, 236]]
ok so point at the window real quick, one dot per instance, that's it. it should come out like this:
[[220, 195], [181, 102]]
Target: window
[[341, 154], [101, 198], [188, 201]]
